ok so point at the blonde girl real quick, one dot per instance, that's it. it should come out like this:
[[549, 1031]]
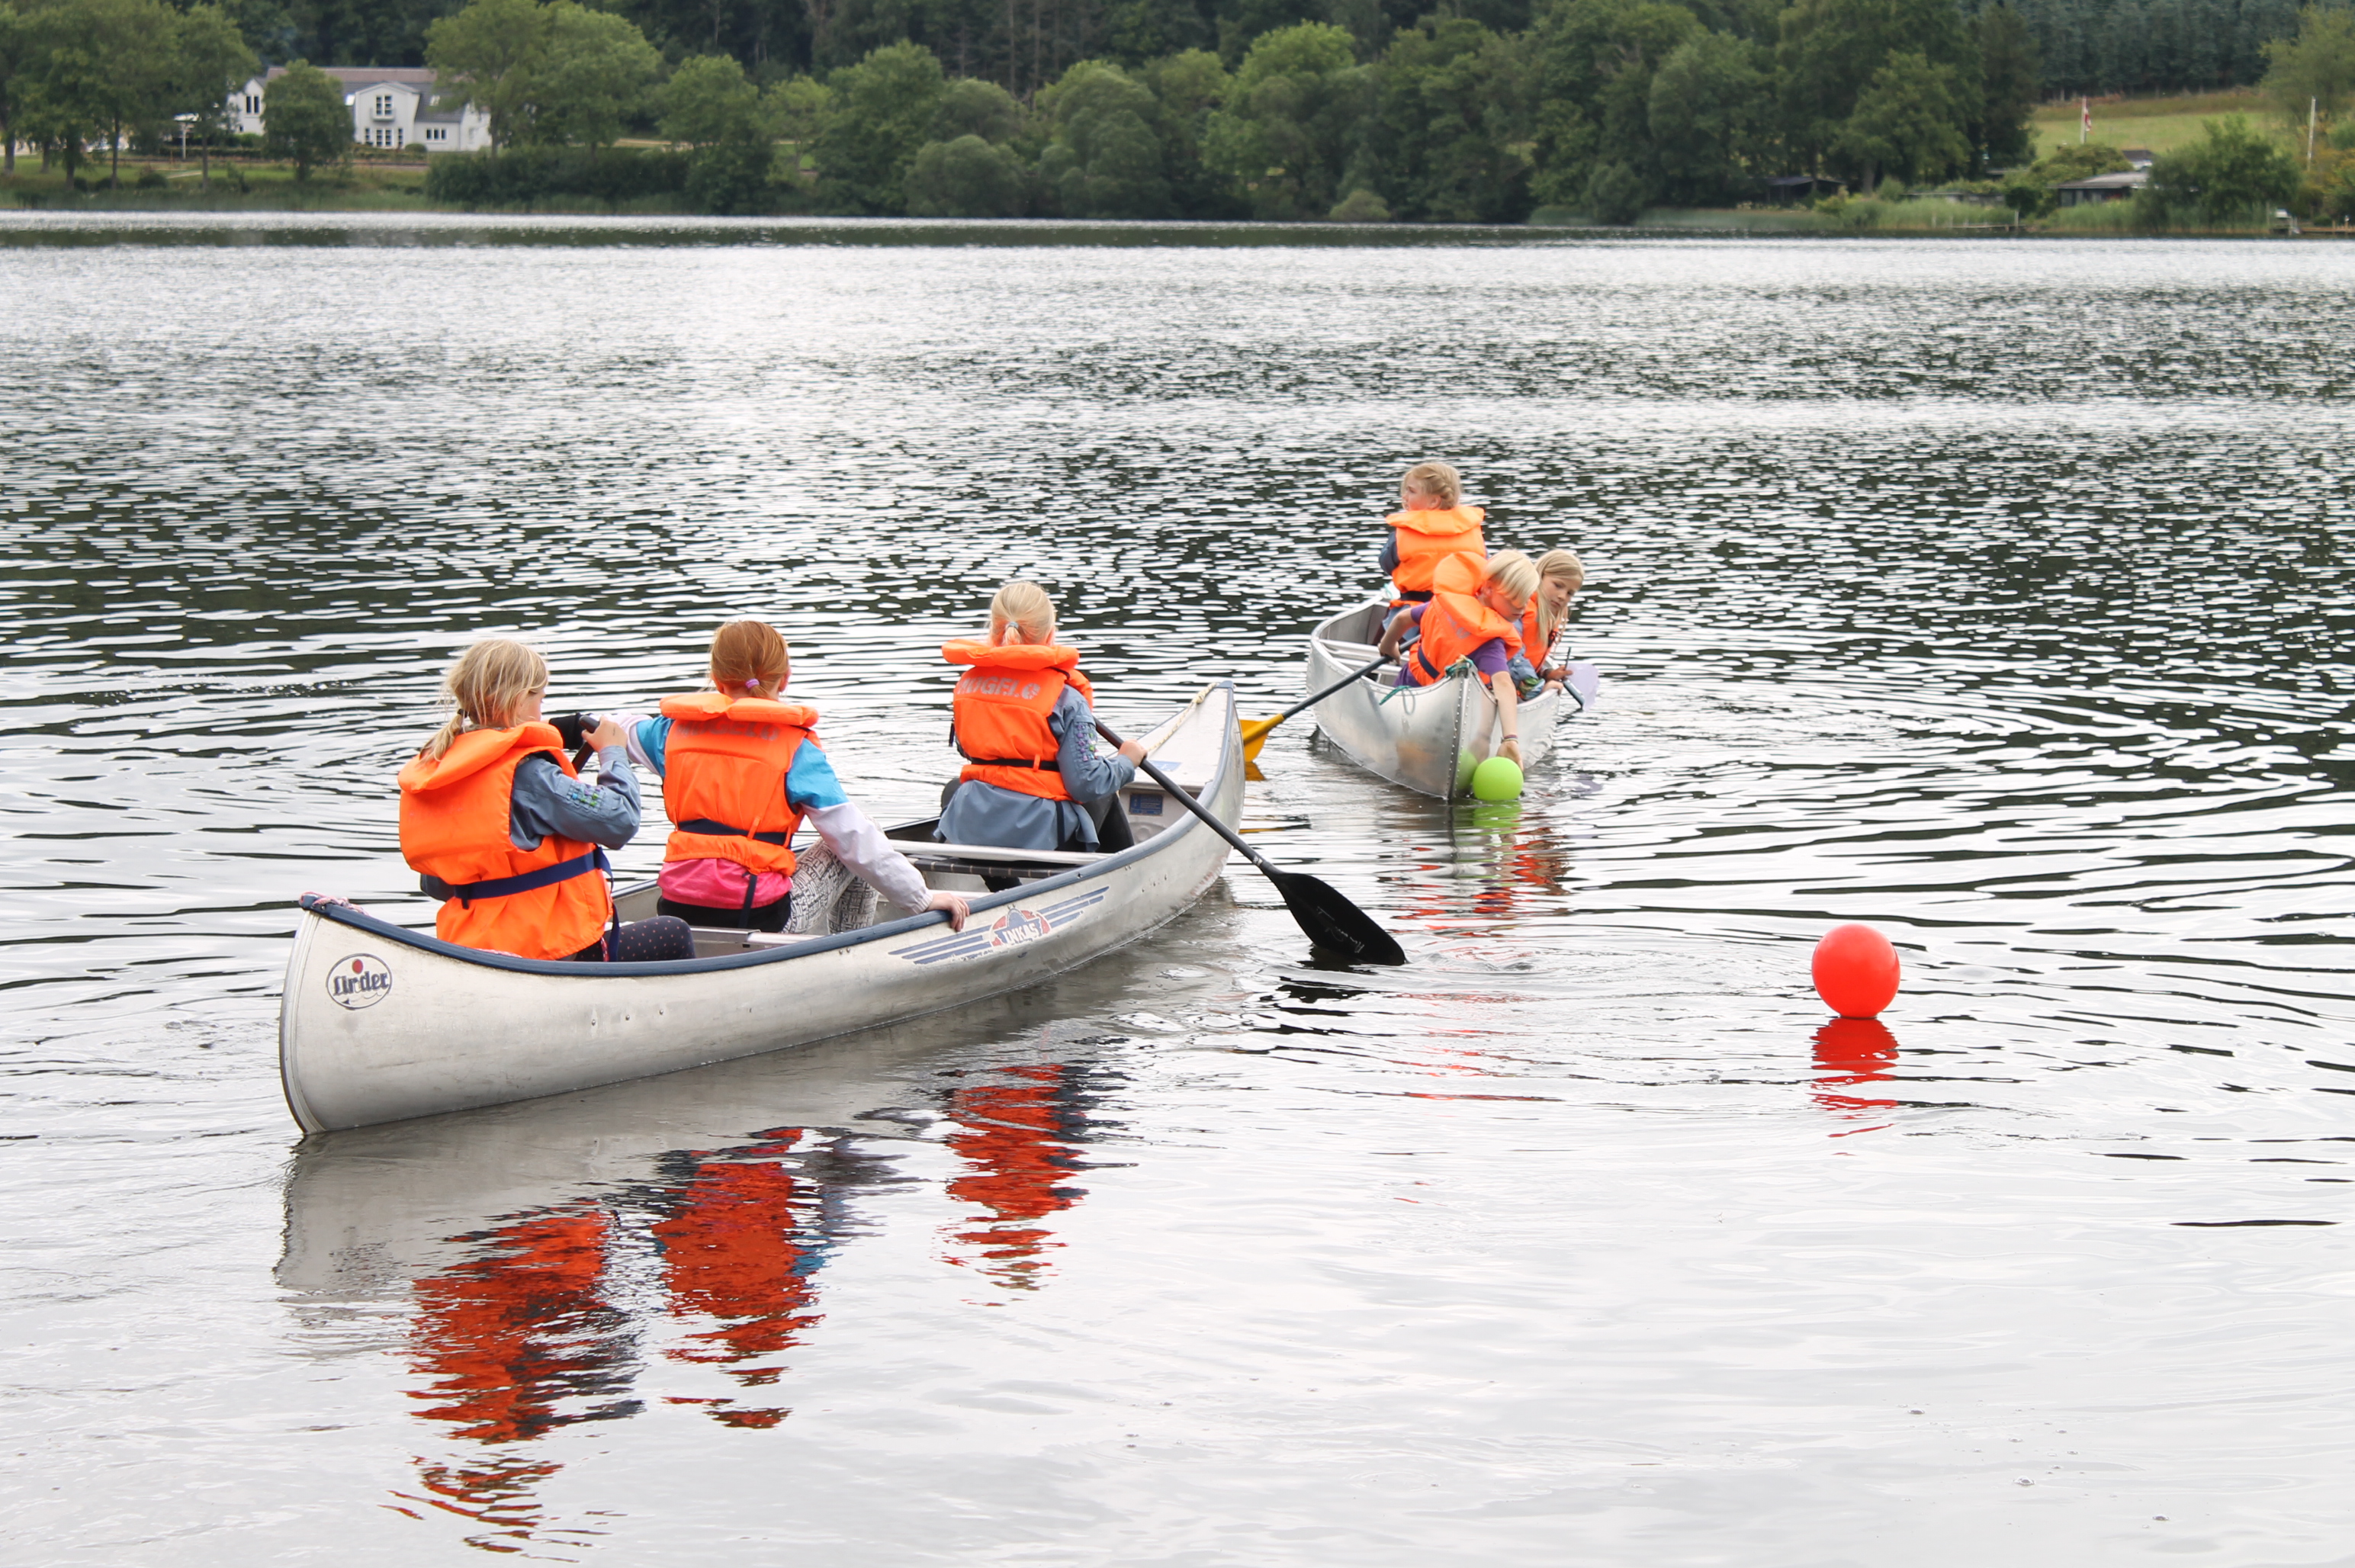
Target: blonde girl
[[501, 829]]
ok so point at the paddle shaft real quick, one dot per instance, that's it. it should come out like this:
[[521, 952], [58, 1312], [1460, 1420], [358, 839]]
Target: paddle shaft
[[1153, 771], [1306, 703]]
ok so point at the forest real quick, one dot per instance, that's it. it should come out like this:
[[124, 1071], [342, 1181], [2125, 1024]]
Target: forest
[[1138, 109]]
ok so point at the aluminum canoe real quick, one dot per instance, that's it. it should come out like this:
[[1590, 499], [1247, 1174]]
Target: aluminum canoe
[[1428, 738], [381, 1023]]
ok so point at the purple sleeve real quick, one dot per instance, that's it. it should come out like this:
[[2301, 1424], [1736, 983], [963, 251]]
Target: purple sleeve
[[1490, 658]]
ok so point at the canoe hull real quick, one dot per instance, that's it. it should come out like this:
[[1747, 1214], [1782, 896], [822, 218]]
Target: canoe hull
[[380, 1024], [1427, 738]]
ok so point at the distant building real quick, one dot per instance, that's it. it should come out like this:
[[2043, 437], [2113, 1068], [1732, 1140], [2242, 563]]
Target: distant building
[[1788, 188], [2139, 156], [2101, 189], [392, 106]]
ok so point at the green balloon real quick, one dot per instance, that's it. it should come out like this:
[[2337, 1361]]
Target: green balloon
[[1466, 765], [1497, 779]]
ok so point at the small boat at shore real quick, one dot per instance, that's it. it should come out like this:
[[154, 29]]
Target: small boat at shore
[[380, 1022], [1428, 738]]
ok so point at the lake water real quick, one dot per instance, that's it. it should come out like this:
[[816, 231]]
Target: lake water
[[1996, 593]]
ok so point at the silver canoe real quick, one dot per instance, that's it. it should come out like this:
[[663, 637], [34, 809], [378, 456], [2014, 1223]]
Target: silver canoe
[[1427, 738], [380, 1023]]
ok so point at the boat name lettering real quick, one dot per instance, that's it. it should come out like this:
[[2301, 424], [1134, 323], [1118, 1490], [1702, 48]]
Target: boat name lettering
[[360, 981], [1144, 803]]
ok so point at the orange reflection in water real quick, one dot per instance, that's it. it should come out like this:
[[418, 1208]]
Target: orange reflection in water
[[1852, 1051], [729, 1252], [1017, 1137], [510, 1342]]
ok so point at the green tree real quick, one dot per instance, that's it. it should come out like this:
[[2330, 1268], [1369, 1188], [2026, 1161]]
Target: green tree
[[1909, 123], [708, 97], [1593, 62], [209, 58], [1187, 87], [1105, 160], [2231, 174], [17, 58], [1831, 51], [590, 78], [969, 107], [1283, 137], [304, 117], [1615, 194], [100, 68], [1711, 117], [1440, 143], [482, 56], [966, 177], [2316, 67], [2009, 74], [878, 115]]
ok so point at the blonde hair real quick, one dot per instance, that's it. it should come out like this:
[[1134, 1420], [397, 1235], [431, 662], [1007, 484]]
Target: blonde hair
[[1434, 479], [1024, 605], [1562, 564], [1514, 572], [748, 656], [486, 684]]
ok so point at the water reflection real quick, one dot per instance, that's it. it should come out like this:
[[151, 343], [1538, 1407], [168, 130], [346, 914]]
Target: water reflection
[[1852, 1051], [1018, 1138]]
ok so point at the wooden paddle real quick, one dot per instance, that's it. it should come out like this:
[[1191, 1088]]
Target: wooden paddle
[[1330, 921], [1255, 734]]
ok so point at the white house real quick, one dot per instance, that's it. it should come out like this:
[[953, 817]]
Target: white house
[[392, 106]]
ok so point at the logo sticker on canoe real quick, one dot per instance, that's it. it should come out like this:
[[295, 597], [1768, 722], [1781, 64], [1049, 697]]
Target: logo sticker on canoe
[[360, 981], [1017, 926], [1013, 928]]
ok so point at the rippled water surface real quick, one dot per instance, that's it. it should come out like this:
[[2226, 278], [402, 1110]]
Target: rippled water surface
[[1995, 594]]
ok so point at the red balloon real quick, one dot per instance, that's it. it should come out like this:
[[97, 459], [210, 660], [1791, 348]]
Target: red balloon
[[1855, 971]]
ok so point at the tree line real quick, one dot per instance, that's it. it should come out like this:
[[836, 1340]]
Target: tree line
[[1604, 105]]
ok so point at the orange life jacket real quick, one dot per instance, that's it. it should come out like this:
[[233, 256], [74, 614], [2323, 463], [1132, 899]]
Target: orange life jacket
[[1535, 642], [724, 769], [1455, 622], [455, 809], [1000, 712], [1428, 537]]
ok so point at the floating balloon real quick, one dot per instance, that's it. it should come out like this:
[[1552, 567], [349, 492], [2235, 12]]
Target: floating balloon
[[1497, 779], [1855, 971], [1465, 765]]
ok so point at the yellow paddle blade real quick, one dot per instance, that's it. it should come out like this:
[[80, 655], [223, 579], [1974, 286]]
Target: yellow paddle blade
[[1256, 736]]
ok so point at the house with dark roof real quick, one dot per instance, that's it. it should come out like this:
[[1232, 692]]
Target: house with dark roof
[[392, 106], [2101, 189]]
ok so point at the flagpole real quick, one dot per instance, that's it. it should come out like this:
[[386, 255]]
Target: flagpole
[[2085, 120]]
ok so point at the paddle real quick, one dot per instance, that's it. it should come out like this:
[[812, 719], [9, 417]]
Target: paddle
[[1255, 734], [1329, 920]]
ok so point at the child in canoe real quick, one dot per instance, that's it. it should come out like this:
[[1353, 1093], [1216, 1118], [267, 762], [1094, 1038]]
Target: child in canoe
[[740, 769], [1474, 616], [1430, 524], [500, 827], [1023, 721], [1560, 577]]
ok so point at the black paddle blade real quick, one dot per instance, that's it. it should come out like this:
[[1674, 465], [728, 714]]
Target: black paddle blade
[[1334, 922]]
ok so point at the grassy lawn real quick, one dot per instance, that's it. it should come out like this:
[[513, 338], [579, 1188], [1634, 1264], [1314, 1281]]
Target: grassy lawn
[[2161, 124], [362, 184]]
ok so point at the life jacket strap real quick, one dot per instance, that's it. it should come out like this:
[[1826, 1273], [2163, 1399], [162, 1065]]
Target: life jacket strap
[[1016, 763], [1432, 674], [704, 825], [507, 887]]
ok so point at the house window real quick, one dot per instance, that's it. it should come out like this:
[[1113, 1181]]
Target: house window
[[253, 104], [436, 134], [384, 105]]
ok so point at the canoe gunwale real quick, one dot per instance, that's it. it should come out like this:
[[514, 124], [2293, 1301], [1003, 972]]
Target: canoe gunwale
[[377, 926]]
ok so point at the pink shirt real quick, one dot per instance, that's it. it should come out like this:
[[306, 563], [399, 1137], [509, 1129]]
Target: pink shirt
[[719, 884]]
